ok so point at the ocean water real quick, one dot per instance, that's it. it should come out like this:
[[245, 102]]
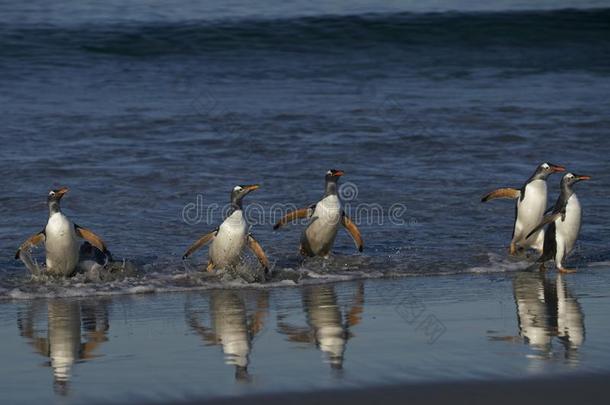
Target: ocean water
[[152, 114]]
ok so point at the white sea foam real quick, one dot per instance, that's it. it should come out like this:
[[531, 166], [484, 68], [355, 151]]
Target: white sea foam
[[501, 264]]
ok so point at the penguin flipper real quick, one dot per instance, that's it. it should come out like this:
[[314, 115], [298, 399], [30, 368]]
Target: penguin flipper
[[507, 192], [199, 243], [92, 238], [258, 251], [31, 242], [353, 230], [296, 214], [545, 221]]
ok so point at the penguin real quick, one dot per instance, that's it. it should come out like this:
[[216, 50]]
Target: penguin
[[324, 220], [563, 223], [231, 237], [529, 208], [60, 237]]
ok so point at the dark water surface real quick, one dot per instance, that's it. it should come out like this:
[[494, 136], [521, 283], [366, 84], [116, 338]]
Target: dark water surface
[[151, 121]]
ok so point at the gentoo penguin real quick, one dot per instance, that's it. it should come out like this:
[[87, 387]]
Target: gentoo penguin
[[60, 239], [530, 206], [328, 327], [324, 220], [230, 238], [563, 224]]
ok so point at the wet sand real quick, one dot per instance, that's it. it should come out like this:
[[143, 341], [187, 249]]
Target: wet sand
[[589, 389], [450, 337]]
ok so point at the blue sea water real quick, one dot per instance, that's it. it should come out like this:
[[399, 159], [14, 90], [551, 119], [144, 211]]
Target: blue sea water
[[151, 113]]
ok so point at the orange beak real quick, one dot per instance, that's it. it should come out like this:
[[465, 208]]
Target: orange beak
[[338, 173], [584, 177], [558, 168], [63, 190], [251, 187]]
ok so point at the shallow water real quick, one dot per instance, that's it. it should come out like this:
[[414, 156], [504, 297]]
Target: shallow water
[[355, 334], [152, 120]]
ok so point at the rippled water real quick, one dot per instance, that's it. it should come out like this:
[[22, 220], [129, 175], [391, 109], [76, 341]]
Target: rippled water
[[145, 119], [152, 114]]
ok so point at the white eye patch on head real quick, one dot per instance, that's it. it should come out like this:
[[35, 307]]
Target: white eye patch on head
[[237, 188], [545, 165]]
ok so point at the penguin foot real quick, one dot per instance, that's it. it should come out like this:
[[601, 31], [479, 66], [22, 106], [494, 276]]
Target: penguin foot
[[512, 250], [210, 267], [565, 271]]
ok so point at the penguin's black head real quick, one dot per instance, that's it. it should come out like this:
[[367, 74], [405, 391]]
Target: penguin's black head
[[56, 195], [333, 175], [546, 169], [239, 192], [572, 178]]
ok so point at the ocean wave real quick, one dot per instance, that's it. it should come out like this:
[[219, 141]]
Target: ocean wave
[[324, 34]]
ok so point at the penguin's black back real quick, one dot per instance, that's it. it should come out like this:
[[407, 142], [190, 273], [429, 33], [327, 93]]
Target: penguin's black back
[[550, 244]]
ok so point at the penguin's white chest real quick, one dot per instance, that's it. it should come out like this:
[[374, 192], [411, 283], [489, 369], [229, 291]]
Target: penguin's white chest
[[322, 230], [230, 240], [567, 230], [61, 245], [530, 211]]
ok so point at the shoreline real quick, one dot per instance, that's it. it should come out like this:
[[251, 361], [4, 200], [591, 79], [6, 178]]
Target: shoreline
[[78, 287], [589, 389]]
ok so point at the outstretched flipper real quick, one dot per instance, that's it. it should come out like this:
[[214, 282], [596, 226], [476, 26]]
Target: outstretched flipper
[[545, 221], [201, 242], [30, 243], [258, 251], [353, 231], [297, 214], [507, 192], [92, 238]]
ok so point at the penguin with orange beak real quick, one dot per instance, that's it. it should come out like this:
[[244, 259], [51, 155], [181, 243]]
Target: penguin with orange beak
[[531, 202], [324, 220], [60, 238], [563, 222], [231, 237]]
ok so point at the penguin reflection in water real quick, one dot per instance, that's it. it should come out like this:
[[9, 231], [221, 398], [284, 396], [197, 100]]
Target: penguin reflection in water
[[75, 329], [545, 310], [231, 326], [563, 224], [327, 327], [231, 237], [324, 220], [531, 201], [60, 238]]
